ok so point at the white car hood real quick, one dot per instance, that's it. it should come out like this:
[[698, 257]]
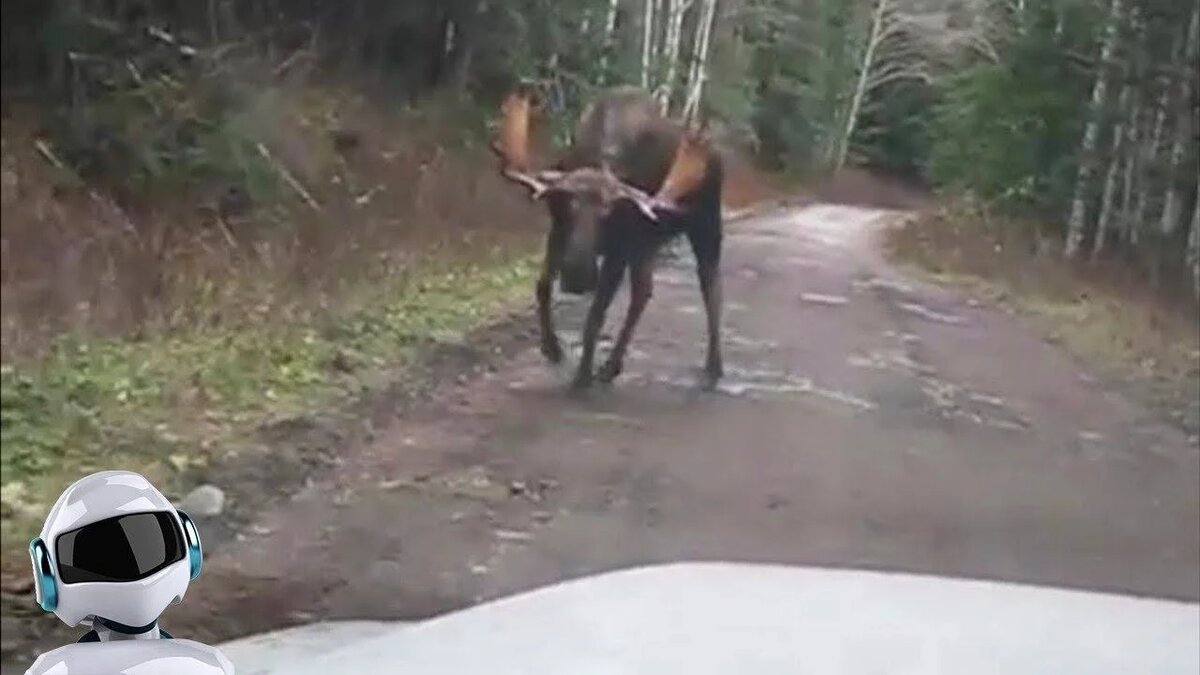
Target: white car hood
[[697, 618]]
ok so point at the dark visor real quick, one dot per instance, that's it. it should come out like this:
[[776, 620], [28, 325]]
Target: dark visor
[[123, 548]]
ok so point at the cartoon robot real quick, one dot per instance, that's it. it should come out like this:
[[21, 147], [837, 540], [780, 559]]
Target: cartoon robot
[[114, 554]]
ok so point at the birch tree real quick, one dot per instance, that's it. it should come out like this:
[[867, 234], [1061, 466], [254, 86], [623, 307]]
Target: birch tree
[[1076, 222], [1193, 243], [890, 54], [1108, 196], [1171, 206], [698, 72], [647, 41], [674, 30], [1130, 159], [610, 24], [1149, 158]]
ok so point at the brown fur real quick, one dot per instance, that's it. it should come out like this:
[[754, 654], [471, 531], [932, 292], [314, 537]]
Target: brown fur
[[624, 151]]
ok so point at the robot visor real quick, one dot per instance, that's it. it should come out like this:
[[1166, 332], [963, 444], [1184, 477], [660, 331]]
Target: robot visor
[[120, 549]]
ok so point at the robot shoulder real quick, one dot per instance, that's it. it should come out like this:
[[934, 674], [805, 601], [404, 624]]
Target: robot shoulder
[[161, 657]]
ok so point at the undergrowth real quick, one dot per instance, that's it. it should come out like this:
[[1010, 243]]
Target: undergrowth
[[191, 255], [167, 403]]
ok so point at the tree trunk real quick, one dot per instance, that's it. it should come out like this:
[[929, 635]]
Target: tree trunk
[[1076, 222], [585, 25], [675, 9], [1110, 179], [610, 25], [1193, 244], [1149, 157], [463, 51], [860, 89], [647, 42], [699, 69], [1171, 206], [1131, 150]]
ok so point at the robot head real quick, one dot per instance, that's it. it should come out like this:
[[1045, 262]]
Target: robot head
[[114, 547]]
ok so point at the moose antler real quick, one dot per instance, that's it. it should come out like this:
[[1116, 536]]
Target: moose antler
[[686, 172], [512, 145]]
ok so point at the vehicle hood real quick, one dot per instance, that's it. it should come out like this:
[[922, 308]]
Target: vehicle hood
[[698, 618]]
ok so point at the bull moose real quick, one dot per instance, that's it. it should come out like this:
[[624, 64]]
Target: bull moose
[[630, 181]]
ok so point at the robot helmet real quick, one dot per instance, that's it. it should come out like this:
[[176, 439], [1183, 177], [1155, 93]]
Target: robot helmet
[[114, 548]]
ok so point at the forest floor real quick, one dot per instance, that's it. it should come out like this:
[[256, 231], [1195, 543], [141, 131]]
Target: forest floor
[[869, 418]]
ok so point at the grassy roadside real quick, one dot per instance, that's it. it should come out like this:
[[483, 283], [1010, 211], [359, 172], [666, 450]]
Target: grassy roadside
[[166, 404], [1097, 312]]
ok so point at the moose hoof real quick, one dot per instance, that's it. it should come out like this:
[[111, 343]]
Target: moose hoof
[[552, 350], [609, 371], [583, 380], [711, 376]]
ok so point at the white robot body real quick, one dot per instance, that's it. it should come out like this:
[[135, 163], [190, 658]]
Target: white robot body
[[140, 657], [135, 604], [134, 532]]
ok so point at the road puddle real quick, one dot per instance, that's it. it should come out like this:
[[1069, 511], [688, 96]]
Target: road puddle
[[821, 299], [952, 401], [889, 360], [758, 384], [930, 315]]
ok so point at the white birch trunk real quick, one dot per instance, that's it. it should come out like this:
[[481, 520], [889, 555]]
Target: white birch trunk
[[1193, 244], [864, 72], [1076, 222], [1110, 179], [647, 42], [1148, 159], [675, 9], [1131, 151], [610, 24], [699, 69], [1171, 206]]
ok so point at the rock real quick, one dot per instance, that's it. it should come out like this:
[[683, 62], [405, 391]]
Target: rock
[[205, 500]]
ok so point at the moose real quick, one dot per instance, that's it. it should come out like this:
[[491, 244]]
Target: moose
[[630, 181]]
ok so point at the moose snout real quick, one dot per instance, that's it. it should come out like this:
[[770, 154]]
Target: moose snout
[[579, 276]]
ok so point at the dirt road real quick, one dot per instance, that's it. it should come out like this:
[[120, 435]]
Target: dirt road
[[866, 420]]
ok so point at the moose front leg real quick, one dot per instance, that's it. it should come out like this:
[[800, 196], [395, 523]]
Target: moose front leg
[[706, 245], [641, 287], [551, 347], [606, 288]]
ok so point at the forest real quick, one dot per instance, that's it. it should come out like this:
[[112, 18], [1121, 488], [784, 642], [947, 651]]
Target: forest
[[1080, 115], [215, 211]]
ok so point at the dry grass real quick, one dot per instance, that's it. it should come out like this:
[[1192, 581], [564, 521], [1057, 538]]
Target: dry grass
[[153, 333], [75, 261], [1101, 312]]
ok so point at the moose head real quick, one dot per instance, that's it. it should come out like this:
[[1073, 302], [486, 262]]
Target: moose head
[[584, 197]]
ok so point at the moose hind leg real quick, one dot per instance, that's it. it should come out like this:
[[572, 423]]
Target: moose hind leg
[[550, 346], [707, 248], [641, 287], [606, 288]]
